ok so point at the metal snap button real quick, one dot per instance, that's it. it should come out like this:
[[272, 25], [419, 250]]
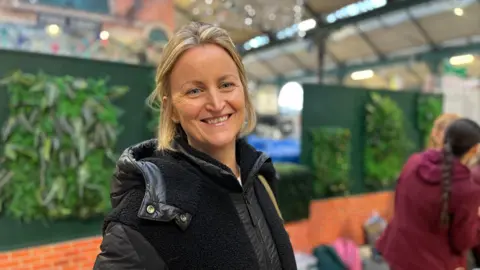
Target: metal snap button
[[150, 209], [183, 218]]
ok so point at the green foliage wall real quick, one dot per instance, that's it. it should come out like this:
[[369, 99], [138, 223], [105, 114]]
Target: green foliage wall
[[137, 78], [429, 107], [387, 143], [331, 161], [294, 191], [17, 234], [344, 107], [58, 146]]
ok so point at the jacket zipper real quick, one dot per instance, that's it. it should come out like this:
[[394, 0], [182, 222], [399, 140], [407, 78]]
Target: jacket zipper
[[249, 209], [258, 232], [257, 229]]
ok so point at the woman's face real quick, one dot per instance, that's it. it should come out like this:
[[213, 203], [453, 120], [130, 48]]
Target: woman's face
[[207, 97]]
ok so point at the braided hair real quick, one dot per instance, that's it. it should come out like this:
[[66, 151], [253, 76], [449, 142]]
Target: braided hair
[[460, 137], [446, 183]]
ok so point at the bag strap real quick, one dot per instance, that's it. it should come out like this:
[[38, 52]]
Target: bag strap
[[270, 194]]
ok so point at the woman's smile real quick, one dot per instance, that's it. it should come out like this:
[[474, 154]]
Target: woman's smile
[[217, 121]]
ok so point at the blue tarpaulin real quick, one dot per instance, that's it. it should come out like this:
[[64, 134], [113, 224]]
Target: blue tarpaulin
[[284, 150]]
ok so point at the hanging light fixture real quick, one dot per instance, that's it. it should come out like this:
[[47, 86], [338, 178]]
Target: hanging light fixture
[[458, 11], [362, 75], [461, 59]]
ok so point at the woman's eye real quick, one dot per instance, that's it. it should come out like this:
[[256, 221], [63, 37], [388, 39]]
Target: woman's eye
[[227, 85], [194, 91]]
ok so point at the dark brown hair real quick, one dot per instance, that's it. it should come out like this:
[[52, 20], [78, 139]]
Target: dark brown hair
[[461, 135]]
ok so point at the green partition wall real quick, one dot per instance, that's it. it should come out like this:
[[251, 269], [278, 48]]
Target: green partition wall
[[138, 79], [343, 107]]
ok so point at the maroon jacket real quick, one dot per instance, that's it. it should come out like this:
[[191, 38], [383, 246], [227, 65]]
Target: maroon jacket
[[475, 171], [415, 239]]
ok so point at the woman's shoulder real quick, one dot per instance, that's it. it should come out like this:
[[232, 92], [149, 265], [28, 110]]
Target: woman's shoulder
[[466, 192], [133, 157], [143, 164], [155, 184], [475, 174]]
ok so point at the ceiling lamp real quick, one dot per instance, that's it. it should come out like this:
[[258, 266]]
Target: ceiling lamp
[[461, 60], [458, 11], [362, 75]]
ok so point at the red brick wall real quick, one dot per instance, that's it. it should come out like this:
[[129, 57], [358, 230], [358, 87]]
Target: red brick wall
[[338, 217], [328, 220], [78, 255]]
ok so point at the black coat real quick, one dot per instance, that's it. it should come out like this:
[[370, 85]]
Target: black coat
[[184, 210]]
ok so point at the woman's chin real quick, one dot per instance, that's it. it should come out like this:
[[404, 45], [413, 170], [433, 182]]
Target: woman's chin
[[220, 140]]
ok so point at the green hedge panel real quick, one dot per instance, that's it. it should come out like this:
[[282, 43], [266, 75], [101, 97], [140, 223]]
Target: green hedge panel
[[344, 107], [138, 79]]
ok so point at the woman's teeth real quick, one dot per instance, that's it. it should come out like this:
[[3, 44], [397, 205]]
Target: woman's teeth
[[217, 120]]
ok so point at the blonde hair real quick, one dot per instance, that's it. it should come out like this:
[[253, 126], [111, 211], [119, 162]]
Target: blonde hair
[[440, 124], [192, 35]]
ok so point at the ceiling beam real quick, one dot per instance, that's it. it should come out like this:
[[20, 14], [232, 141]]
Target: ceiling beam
[[421, 29], [316, 16], [364, 36], [327, 28], [320, 23], [432, 55]]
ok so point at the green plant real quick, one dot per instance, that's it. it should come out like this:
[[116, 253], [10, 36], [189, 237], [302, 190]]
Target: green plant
[[58, 146], [294, 190], [428, 109], [331, 161], [387, 144]]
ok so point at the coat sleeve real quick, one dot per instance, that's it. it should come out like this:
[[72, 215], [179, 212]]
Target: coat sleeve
[[124, 248], [465, 226]]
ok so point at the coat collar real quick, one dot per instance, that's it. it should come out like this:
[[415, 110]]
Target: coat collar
[[163, 173], [250, 161]]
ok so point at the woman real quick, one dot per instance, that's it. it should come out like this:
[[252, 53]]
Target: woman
[[193, 198], [436, 206], [439, 126], [436, 137]]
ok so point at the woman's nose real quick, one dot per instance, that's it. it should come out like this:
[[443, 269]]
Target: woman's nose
[[215, 101]]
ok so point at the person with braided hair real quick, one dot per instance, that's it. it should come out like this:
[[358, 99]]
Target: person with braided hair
[[436, 218]]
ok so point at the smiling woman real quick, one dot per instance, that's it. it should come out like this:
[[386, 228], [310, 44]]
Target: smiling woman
[[209, 103], [198, 196]]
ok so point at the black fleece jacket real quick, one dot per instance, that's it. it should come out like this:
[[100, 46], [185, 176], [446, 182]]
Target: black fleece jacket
[[184, 210]]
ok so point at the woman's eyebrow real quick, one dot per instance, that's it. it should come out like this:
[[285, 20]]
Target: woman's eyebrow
[[226, 76]]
